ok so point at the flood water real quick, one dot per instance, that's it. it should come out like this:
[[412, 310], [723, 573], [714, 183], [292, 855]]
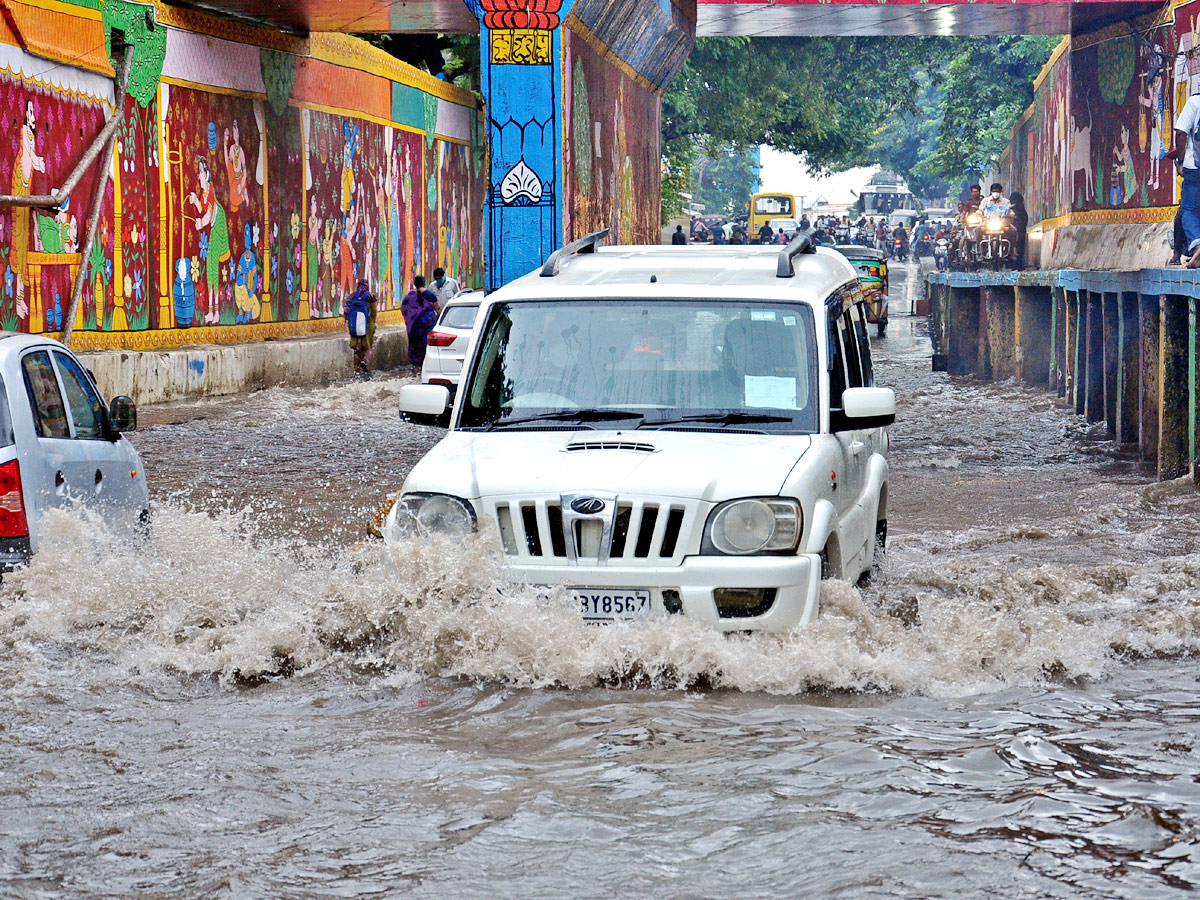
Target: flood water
[[261, 701]]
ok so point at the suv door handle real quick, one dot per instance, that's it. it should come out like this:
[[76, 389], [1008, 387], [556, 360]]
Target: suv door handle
[[857, 447]]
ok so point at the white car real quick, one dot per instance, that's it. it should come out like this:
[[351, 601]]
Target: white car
[[448, 341], [60, 445], [664, 431], [787, 226]]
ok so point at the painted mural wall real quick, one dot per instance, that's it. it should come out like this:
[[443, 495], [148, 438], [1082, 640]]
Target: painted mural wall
[[1091, 147], [612, 154], [256, 178]]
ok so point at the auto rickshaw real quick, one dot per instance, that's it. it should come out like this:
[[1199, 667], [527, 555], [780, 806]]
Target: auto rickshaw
[[873, 277]]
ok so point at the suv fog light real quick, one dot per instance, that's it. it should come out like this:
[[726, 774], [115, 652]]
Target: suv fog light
[[742, 603]]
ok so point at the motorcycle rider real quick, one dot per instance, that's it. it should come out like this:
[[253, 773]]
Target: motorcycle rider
[[901, 234]]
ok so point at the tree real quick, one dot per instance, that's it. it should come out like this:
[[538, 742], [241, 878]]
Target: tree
[[988, 85], [724, 184]]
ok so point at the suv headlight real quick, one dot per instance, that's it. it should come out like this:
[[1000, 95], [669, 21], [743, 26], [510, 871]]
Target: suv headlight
[[745, 527], [429, 512]]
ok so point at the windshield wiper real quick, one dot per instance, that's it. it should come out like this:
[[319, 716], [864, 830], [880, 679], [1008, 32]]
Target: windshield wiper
[[571, 415], [726, 418]]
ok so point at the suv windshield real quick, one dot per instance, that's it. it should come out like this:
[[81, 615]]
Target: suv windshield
[[695, 364]]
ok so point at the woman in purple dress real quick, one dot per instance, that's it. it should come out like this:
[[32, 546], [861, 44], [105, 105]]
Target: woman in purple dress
[[420, 310]]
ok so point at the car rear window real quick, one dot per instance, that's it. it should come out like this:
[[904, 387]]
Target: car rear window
[[459, 316], [6, 429]]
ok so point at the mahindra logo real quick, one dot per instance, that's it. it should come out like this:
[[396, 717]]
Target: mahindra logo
[[587, 506]]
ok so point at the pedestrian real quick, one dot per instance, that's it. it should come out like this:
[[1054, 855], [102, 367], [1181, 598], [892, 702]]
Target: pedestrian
[[361, 310], [804, 223], [679, 237], [444, 288], [1178, 240], [718, 233], [420, 309], [1021, 223], [1184, 156]]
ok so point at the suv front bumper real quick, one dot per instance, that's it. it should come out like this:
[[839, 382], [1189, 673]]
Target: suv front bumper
[[796, 580]]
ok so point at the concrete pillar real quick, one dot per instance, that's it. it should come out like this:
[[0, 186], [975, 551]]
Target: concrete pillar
[[1077, 349], [1001, 331], [1092, 331], [1173, 405], [1109, 328], [1148, 377], [1035, 334], [1058, 328], [962, 333], [1126, 419], [983, 352], [522, 81]]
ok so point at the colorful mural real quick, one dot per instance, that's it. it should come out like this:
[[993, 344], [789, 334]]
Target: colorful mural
[[254, 181], [612, 157], [1092, 146]]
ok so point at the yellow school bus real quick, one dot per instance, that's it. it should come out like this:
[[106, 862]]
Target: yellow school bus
[[769, 205]]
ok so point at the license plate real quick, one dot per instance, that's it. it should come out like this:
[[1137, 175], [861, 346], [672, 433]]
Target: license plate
[[611, 604]]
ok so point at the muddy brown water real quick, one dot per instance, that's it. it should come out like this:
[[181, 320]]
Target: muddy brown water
[[261, 702]]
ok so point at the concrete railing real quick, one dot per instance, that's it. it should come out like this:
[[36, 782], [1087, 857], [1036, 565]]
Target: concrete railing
[[1118, 347]]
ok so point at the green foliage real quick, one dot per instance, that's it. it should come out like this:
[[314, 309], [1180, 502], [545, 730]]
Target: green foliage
[[724, 184], [823, 97], [930, 109], [987, 86]]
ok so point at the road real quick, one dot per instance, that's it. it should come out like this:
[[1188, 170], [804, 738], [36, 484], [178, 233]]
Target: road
[[260, 703]]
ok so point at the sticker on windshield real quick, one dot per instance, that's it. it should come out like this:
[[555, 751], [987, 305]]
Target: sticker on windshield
[[771, 391], [789, 321], [762, 315]]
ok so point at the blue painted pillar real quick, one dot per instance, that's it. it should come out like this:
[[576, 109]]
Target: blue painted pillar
[[522, 78]]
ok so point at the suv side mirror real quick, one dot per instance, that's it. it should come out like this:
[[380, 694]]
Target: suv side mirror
[[868, 407], [424, 404], [122, 414]]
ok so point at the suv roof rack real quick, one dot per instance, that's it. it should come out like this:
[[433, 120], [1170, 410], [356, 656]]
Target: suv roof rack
[[586, 244], [801, 243]]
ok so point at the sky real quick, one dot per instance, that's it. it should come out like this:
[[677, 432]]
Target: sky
[[787, 172]]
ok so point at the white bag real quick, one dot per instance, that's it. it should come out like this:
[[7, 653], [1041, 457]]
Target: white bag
[[358, 324]]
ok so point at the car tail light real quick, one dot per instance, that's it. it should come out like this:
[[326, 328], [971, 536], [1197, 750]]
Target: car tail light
[[441, 338], [12, 502]]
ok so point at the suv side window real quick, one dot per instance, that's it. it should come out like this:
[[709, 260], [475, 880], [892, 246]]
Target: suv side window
[[87, 411], [48, 410], [837, 357], [864, 345], [854, 372]]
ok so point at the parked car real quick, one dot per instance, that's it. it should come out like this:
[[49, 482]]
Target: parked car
[[448, 341], [662, 432], [60, 445]]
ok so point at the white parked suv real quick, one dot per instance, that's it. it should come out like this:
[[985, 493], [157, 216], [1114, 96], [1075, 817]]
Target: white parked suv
[[447, 348], [667, 430], [60, 446]]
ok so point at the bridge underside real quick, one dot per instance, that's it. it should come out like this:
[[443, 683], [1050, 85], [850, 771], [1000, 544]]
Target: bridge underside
[[758, 18]]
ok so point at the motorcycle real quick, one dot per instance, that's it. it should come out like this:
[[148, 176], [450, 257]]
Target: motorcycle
[[997, 241], [941, 254], [923, 247], [968, 256], [900, 249]]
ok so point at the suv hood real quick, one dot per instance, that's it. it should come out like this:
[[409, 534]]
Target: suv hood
[[708, 465]]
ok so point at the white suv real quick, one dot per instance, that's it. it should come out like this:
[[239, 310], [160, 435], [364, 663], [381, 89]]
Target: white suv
[[667, 430]]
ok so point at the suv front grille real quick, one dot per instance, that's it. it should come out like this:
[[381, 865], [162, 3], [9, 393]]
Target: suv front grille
[[644, 532]]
